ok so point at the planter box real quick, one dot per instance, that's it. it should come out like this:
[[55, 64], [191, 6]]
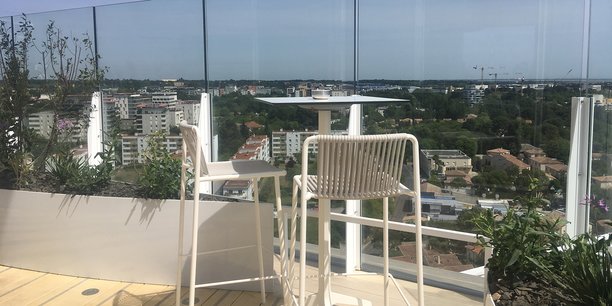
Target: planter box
[[126, 239]]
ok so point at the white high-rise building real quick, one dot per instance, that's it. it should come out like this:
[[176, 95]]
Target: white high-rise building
[[133, 147], [41, 123], [167, 98], [151, 119], [191, 111], [289, 143]]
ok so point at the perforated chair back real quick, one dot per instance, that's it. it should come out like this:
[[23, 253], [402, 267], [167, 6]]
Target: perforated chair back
[[191, 141], [353, 168], [357, 167]]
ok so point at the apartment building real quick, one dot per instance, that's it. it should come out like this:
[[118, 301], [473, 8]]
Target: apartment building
[[169, 98], [175, 116], [126, 104], [474, 94], [437, 207], [190, 109], [41, 123], [529, 151], [545, 164], [256, 147], [289, 143], [151, 118], [443, 160], [134, 146], [501, 159]]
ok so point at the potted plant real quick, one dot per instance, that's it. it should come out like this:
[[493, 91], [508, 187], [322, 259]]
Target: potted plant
[[533, 263], [580, 268]]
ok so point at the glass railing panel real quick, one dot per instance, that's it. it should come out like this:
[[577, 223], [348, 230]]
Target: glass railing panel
[[260, 40], [259, 48], [600, 216], [53, 48], [443, 259], [489, 98], [154, 41], [600, 88], [74, 23], [152, 53]]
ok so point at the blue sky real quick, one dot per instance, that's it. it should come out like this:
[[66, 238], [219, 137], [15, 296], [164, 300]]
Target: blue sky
[[398, 39]]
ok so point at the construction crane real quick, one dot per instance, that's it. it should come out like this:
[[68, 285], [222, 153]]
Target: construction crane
[[495, 75], [521, 79], [481, 74], [482, 68], [495, 83]]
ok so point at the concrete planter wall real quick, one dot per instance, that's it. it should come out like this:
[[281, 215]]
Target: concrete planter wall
[[127, 239]]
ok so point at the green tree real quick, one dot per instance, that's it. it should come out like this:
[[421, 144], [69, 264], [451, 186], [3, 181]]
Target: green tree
[[230, 139], [458, 183], [525, 180], [162, 170], [558, 148], [71, 67], [465, 219], [14, 99], [467, 145]]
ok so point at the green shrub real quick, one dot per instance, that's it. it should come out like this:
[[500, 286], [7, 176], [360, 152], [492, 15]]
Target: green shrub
[[521, 240], [73, 174], [20, 165], [527, 247], [581, 268], [162, 171]]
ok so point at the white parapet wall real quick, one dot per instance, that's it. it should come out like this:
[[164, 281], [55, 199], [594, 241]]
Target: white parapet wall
[[127, 239]]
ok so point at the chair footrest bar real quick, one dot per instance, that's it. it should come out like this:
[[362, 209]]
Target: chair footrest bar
[[237, 281], [399, 289], [219, 251]]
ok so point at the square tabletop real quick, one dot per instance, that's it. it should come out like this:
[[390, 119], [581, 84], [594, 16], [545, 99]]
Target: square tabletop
[[331, 103]]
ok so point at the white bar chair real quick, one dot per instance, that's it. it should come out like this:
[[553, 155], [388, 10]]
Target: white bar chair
[[356, 168], [193, 157]]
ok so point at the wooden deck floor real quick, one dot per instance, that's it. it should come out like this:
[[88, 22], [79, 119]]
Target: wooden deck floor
[[24, 287]]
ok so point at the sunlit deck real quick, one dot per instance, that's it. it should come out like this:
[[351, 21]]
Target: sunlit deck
[[24, 287]]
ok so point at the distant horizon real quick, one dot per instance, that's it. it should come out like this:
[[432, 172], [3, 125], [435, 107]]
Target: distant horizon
[[396, 40], [486, 81]]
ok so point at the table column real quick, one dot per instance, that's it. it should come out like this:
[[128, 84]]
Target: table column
[[324, 293]]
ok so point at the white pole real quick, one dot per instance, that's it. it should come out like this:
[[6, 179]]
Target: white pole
[[353, 207], [94, 130], [579, 163], [205, 128]]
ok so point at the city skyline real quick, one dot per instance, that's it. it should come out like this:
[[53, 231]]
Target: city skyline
[[277, 40]]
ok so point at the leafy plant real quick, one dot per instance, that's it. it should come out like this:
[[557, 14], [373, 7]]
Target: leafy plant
[[520, 240], [73, 174], [15, 98], [581, 268], [64, 167], [70, 68], [162, 171], [20, 164]]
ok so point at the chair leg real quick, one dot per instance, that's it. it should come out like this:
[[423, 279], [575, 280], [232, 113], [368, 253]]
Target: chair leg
[[179, 268], [194, 243], [386, 249], [293, 234], [262, 281], [303, 221], [280, 221]]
